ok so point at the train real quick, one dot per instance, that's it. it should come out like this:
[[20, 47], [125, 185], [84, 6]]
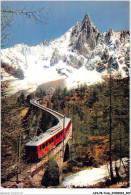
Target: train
[[39, 146]]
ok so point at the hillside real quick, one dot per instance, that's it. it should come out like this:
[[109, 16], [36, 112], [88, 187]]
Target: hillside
[[88, 107]]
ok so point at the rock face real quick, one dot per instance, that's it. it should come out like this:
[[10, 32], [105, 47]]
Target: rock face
[[15, 72], [123, 35], [108, 35], [84, 36], [75, 33], [55, 57], [75, 62], [113, 63]]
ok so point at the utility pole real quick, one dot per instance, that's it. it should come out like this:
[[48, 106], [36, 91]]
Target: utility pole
[[73, 124], [18, 163], [63, 133], [110, 136], [62, 151]]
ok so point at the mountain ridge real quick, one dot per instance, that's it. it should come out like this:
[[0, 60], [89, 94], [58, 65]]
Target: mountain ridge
[[82, 50]]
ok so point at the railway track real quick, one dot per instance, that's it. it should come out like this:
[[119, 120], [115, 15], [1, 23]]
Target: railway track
[[32, 168], [53, 112]]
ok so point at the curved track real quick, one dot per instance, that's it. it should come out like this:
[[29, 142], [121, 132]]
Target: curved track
[[54, 113], [34, 168]]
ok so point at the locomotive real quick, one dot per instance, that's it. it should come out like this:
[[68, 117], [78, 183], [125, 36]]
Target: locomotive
[[40, 145]]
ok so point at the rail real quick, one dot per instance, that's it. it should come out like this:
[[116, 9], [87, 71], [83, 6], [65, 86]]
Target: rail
[[53, 112], [32, 169]]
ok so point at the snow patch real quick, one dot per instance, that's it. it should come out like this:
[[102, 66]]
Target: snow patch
[[92, 176]]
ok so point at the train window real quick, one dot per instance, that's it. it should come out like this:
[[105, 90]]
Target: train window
[[40, 147], [43, 146], [31, 148], [52, 139], [46, 144], [56, 136]]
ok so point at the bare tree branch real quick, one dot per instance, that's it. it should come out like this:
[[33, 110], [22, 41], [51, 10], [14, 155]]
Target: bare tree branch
[[39, 16]]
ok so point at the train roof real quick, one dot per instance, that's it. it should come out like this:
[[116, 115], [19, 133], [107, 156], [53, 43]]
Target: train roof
[[37, 140]]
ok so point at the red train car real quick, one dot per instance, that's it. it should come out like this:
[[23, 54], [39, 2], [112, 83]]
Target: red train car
[[40, 145]]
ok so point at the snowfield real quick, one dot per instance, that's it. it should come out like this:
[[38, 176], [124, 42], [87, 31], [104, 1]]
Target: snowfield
[[93, 176], [81, 76]]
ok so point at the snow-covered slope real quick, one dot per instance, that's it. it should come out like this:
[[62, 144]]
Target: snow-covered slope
[[77, 56]]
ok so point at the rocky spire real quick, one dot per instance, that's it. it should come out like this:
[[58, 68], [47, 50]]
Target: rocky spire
[[86, 21], [75, 32], [86, 36], [87, 31]]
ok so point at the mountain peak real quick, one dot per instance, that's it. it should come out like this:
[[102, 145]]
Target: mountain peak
[[86, 18], [87, 23], [84, 34]]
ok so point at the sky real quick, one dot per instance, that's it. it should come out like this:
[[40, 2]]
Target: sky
[[63, 15]]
